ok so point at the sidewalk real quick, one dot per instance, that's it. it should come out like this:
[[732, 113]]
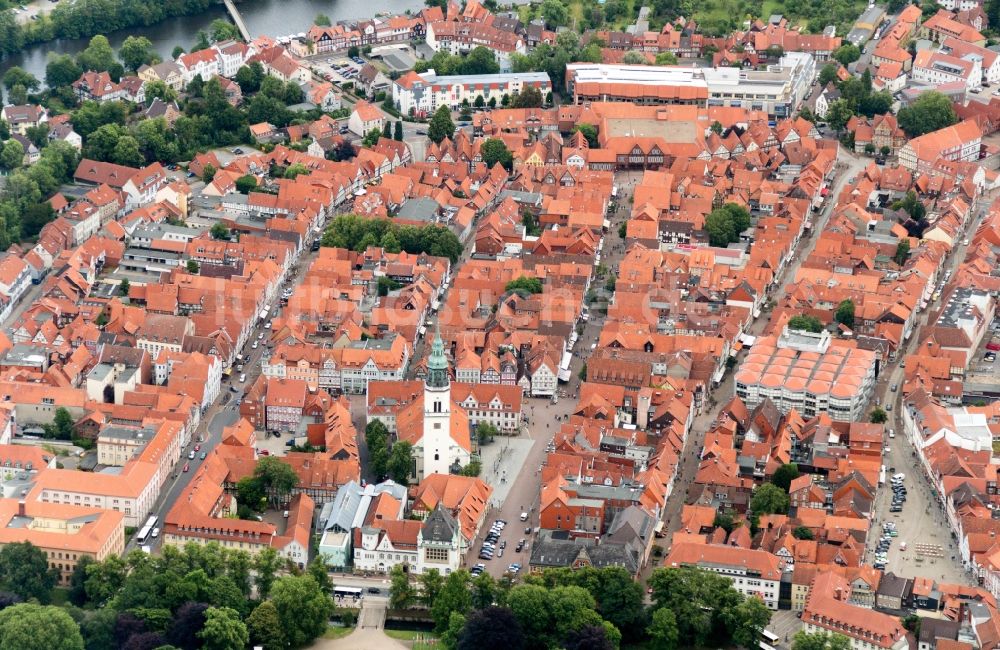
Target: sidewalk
[[503, 460]]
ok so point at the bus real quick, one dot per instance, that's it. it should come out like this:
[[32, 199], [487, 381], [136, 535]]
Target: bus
[[146, 529], [347, 592], [769, 640]]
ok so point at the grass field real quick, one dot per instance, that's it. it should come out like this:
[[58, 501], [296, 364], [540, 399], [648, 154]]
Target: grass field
[[334, 632], [416, 639]]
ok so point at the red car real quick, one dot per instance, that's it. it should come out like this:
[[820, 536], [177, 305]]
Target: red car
[[186, 467], [197, 447]]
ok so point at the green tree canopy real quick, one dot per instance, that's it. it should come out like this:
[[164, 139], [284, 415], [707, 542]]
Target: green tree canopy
[[400, 463], [820, 641], [264, 626], [246, 184], [589, 131], [878, 415], [441, 126], [724, 225], [931, 111], [847, 54], [845, 313], [529, 97], [784, 475], [137, 51], [35, 627], [769, 499], [806, 323], [302, 607], [495, 151], [224, 630], [525, 283], [24, 570]]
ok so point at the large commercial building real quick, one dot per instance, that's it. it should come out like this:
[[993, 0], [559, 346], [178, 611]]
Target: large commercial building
[[802, 370], [424, 93], [777, 90]]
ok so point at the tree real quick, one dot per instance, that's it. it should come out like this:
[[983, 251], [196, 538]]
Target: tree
[[35, 627], [838, 114], [223, 630], [277, 478], [24, 570], [223, 30], [193, 267], [207, 175], [555, 13], [662, 630], [805, 323], [495, 151], [98, 56], [219, 229], [784, 475], [186, 624], [845, 313], [589, 131], [747, 620], [590, 637], [61, 70], [295, 170], [265, 565], [249, 77], [698, 600], [159, 90], [137, 51], [371, 138], [902, 252], [769, 499], [634, 58], [801, 532], [453, 597], [431, 583], [491, 628], [401, 592], [17, 76], [666, 58], [526, 284], [302, 607], [353, 52], [264, 626], [441, 126], [529, 97], [124, 286], [12, 155], [847, 54], [78, 581], [246, 184], [400, 463], [322, 20], [931, 111], [820, 641], [878, 415], [725, 225]]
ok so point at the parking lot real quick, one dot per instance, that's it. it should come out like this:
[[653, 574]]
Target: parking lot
[[338, 69]]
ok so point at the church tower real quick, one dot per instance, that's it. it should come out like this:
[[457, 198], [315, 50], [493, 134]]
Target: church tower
[[437, 443]]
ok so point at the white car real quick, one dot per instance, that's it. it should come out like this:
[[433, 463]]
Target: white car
[[243, 378]]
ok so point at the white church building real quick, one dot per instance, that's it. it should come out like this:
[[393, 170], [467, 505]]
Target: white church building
[[437, 427]]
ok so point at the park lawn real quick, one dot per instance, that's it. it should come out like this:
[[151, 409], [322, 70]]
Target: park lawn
[[335, 632]]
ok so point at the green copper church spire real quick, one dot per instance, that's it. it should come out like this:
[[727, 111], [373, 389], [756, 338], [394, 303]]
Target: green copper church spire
[[437, 364]]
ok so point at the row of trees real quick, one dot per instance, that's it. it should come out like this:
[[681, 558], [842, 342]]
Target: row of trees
[[592, 609], [358, 233], [197, 597]]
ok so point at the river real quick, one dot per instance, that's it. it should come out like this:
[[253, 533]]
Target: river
[[262, 17]]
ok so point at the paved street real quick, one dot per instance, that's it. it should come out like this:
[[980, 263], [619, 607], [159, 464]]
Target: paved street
[[931, 550]]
